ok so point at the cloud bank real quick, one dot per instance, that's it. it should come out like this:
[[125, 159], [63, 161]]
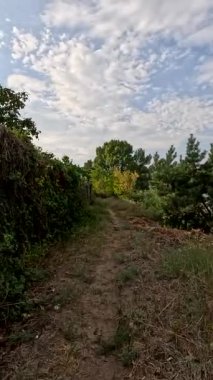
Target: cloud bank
[[102, 69]]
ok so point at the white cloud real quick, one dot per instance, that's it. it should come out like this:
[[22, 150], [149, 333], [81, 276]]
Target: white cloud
[[205, 72], [93, 84], [202, 36], [33, 86], [22, 43], [108, 17], [164, 123], [2, 43], [181, 116], [99, 70]]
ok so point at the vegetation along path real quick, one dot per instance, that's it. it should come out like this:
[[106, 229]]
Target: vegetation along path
[[124, 299]]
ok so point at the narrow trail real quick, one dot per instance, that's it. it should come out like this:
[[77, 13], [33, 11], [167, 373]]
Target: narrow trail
[[99, 306], [106, 312], [80, 307]]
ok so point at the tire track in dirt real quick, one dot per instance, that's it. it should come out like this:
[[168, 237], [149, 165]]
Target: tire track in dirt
[[100, 305]]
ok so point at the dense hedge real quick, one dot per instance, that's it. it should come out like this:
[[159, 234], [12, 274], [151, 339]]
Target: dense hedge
[[40, 198]]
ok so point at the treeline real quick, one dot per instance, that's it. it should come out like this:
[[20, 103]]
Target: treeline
[[177, 191], [41, 197]]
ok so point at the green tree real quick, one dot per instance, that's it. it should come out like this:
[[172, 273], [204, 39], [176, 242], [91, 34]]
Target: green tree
[[210, 156], [102, 181], [163, 171], [194, 155], [141, 166], [66, 160], [124, 182], [11, 104], [171, 155], [185, 186], [88, 165], [114, 154]]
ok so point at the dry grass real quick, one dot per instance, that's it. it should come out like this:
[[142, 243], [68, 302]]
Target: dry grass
[[157, 325], [170, 309]]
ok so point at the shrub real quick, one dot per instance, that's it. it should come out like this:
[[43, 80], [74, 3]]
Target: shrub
[[41, 197], [153, 203]]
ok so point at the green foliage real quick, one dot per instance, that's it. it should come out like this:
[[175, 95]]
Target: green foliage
[[88, 165], [117, 170], [11, 103], [141, 166], [178, 192], [102, 181], [185, 187], [41, 198], [194, 156], [124, 182], [114, 154], [153, 203]]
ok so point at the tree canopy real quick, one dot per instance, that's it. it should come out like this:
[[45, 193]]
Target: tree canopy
[[180, 189], [11, 105]]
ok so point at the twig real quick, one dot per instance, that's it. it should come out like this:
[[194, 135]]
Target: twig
[[167, 306]]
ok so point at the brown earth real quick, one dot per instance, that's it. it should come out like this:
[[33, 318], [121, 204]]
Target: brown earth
[[107, 312]]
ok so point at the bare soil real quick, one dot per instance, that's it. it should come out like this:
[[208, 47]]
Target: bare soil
[[107, 312]]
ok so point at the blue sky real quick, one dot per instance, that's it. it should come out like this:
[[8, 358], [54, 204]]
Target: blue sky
[[100, 69]]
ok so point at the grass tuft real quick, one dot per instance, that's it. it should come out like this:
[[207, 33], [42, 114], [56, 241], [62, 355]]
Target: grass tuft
[[128, 356], [21, 337], [188, 261], [128, 274]]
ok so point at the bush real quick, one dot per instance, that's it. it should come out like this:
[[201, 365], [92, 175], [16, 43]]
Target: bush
[[153, 203], [41, 197]]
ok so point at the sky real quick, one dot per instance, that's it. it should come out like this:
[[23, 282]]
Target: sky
[[96, 70]]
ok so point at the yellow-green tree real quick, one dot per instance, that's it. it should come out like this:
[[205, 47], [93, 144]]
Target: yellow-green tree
[[124, 182], [102, 181]]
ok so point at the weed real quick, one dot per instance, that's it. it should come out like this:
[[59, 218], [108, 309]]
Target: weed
[[61, 298], [121, 343], [137, 318], [96, 291], [122, 337], [128, 274], [188, 261], [123, 333], [193, 267], [95, 216], [70, 332], [142, 246], [81, 273], [107, 347], [36, 274], [21, 337], [128, 356], [120, 258]]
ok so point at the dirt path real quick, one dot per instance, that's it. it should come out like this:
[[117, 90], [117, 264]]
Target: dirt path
[[100, 305], [107, 313], [78, 311]]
